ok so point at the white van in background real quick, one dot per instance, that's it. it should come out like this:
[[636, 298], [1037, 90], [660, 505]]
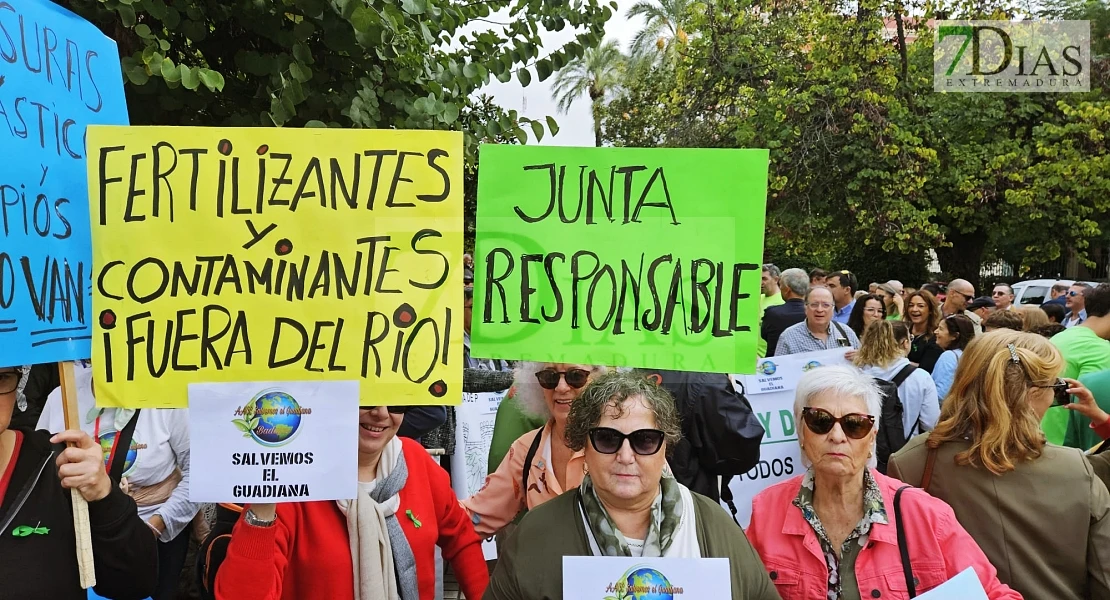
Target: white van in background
[[1036, 291]]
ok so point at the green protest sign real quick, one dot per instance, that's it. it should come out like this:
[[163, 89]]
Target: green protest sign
[[620, 256]]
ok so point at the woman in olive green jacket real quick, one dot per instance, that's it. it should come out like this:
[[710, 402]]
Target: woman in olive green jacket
[[1037, 510], [613, 512]]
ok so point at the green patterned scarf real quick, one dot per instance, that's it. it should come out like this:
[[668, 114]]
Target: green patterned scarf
[[666, 513]]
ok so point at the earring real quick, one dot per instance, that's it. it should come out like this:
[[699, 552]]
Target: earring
[[870, 454]]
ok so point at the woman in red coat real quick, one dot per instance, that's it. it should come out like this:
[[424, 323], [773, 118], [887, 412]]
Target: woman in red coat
[[379, 546]]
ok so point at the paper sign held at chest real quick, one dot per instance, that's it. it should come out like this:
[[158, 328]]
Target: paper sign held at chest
[[273, 441], [606, 578]]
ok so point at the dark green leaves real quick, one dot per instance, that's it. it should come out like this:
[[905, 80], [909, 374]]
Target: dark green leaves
[[543, 69]]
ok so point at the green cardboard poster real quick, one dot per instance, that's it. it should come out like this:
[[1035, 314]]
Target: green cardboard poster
[[638, 257]]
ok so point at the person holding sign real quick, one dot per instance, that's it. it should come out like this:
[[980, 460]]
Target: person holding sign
[[152, 464], [540, 465], [854, 514], [988, 459], [627, 504], [383, 541], [37, 558]]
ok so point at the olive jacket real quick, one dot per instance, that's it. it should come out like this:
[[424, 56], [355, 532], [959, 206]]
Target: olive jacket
[[530, 566], [1045, 525]]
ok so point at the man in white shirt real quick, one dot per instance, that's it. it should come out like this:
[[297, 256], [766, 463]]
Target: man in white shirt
[[1076, 305]]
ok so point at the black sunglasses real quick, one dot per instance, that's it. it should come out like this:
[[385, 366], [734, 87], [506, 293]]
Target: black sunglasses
[[1060, 395], [644, 442], [549, 378], [854, 425], [9, 381], [394, 410]]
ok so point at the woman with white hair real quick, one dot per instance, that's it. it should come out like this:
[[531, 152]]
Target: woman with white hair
[[539, 466], [830, 533]]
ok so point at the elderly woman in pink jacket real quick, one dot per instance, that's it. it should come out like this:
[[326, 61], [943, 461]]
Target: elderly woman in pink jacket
[[830, 533]]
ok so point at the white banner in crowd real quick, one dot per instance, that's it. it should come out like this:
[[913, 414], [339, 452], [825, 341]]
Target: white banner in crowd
[[474, 419], [606, 577], [771, 393], [291, 441]]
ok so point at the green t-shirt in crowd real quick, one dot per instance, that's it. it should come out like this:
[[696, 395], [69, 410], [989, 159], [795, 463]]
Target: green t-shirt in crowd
[[764, 303], [1084, 353]]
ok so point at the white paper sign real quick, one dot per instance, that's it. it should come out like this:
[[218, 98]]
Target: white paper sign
[[289, 441], [771, 393], [607, 578], [474, 419], [965, 586]]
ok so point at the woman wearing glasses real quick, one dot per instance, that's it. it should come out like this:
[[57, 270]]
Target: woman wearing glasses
[[380, 545], [37, 558], [831, 532], [1038, 510], [539, 465], [627, 504]]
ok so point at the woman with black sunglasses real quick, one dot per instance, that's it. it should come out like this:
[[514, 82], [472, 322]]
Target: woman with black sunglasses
[[833, 532], [538, 465], [380, 545], [627, 505]]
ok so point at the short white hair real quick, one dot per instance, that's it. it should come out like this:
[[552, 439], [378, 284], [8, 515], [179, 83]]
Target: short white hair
[[841, 380]]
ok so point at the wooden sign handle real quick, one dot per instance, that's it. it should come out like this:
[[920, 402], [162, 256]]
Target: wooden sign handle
[[81, 526]]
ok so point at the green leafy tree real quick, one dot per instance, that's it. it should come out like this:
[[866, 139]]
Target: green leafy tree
[[866, 160], [336, 63], [596, 73]]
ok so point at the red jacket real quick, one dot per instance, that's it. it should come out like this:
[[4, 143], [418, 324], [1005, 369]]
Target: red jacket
[[306, 554], [939, 547]]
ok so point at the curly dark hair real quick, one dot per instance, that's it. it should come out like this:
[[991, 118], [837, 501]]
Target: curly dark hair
[[609, 392]]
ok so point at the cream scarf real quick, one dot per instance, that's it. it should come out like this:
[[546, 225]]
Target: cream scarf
[[384, 565]]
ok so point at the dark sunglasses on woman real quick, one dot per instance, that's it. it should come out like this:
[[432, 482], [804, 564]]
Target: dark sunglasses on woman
[[395, 410], [854, 425], [644, 442], [549, 378]]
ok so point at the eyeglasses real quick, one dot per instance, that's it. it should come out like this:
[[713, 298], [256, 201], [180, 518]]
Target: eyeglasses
[[394, 410], [968, 297], [644, 442], [1060, 395], [819, 305], [549, 378], [1074, 294], [9, 381], [998, 293], [854, 425]]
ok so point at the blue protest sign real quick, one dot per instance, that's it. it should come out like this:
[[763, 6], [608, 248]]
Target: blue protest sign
[[58, 74]]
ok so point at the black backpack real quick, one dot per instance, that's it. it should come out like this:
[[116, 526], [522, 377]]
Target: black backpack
[[891, 437], [720, 432], [214, 549]]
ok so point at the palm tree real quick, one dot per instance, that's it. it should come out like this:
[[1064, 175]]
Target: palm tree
[[665, 21], [596, 73]]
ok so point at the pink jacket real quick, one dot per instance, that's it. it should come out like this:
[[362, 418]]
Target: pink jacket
[[939, 547]]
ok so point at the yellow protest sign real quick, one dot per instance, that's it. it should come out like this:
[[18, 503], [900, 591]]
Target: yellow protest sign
[[262, 254]]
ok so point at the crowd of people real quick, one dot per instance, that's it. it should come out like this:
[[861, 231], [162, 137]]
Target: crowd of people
[[998, 405]]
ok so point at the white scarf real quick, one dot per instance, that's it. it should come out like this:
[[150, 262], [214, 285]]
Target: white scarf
[[371, 551]]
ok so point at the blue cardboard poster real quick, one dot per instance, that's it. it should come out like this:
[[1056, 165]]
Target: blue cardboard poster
[[58, 75]]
